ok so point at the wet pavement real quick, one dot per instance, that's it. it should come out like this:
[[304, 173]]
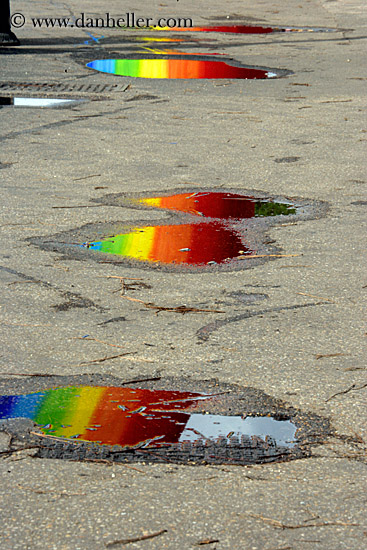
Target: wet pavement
[[255, 188]]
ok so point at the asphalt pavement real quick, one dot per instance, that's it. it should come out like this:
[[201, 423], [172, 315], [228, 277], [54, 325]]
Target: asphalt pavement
[[292, 326]]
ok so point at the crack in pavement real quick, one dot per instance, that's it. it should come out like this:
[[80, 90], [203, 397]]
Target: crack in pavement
[[205, 332], [59, 124], [75, 299]]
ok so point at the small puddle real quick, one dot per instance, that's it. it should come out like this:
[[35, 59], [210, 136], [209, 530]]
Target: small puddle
[[177, 69], [191, 244], [38, 102], [138, 418], [219, 205]]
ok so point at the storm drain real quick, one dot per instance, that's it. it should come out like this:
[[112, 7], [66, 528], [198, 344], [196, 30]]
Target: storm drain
[[171, 420], [58, 87]]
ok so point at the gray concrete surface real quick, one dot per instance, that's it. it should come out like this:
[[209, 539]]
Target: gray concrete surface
[[205, 134]]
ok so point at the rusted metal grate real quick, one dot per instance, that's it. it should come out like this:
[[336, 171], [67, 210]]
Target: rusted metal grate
[[67, 87]]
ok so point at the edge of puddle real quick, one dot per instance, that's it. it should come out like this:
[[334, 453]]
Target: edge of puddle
[[69, 243], [235, 400]]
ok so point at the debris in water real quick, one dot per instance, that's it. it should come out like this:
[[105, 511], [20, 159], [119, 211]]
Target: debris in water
[[138, 418]]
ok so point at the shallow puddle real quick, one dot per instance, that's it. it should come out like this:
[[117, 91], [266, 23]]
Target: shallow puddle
[[38, 102], [244, 29], [191, 244], [219, 205], [138, 418], [236, 29], [177, 69]]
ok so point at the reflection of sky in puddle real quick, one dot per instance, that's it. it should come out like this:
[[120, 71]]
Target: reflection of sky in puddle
[[191, 244], [176, 69], [135, 417], [38, 102], [218, 205]]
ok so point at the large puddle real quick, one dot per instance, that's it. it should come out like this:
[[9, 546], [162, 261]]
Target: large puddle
[[191, 244], [177, 69], [138, 418]]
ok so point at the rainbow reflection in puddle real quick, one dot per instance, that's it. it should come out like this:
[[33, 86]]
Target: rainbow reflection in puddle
[[235, 29], [176, 69], [190, 244], [137, 418], [243, 29], [223, 206]]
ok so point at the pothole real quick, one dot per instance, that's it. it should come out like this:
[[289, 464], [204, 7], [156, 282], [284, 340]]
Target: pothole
[[205, 229], [164, 420], [40, 102], [179, 69]]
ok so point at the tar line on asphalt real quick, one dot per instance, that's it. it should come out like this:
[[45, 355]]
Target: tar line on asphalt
[[39, 102], [177, 69], [193, 244], [141, 418]]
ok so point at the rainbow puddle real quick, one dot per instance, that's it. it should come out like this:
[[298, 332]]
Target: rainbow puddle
[[137, 418], [243, 29], [218, 205], [190, 244], [205, 243], [176, 69]]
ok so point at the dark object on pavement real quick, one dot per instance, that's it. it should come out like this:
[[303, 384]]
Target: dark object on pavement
[[7, 37]]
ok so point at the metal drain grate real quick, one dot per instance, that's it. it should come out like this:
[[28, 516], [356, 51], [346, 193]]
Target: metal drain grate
[[15, 87]]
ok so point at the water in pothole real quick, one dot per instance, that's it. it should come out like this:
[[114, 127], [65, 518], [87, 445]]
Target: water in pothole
[[219, 205], [177, 69], [191, 244], [39, 102], [138, 418]]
